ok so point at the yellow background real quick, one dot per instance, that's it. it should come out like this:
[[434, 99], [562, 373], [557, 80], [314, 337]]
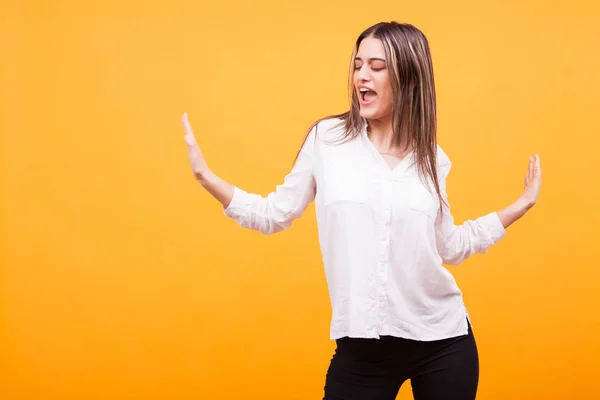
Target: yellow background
[[121, 277]]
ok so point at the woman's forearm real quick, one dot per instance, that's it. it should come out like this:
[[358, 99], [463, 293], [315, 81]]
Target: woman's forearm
[[513, 212], [217, 187]]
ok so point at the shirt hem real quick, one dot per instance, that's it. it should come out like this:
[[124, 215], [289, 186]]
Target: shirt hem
[[423, 336]]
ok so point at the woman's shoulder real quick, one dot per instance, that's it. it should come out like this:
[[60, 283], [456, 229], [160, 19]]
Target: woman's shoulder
[[321, 131], [443, 160], [329, 126]]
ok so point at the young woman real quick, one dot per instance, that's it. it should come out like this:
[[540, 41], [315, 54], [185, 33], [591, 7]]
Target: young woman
[[378, 179]]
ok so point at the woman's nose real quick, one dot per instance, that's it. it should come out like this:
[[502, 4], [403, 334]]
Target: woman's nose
[[361, 74]]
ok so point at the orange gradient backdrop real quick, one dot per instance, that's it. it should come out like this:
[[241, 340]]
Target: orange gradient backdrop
[[121, 277]]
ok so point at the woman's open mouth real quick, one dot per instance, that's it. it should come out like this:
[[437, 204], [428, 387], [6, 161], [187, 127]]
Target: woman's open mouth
[[367, 96]]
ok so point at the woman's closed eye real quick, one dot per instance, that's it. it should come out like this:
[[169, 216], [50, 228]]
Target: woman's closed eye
[[356, 68]]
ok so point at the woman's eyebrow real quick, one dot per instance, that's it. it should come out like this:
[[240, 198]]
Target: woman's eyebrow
[[369, 59]]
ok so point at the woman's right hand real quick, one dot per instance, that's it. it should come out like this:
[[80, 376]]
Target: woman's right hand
[[197, 161]]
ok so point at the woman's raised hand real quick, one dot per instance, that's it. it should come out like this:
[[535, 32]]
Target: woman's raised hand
[[532, 182], [197, 161]]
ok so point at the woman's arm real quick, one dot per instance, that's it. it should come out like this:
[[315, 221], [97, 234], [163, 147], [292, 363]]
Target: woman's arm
[[217, 187], [269, 214], [456, 243]]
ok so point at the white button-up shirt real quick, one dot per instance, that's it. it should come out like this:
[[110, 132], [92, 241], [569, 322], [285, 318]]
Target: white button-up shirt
[[382, 240]]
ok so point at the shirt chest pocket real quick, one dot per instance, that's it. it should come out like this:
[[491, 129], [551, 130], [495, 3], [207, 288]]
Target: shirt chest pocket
[[345, 182], [416, 198]]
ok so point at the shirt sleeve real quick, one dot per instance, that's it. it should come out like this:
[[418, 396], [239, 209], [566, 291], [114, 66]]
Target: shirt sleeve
[[456, 243], [276, 211]]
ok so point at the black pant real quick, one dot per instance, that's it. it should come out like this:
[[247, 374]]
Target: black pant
[[374, 369]]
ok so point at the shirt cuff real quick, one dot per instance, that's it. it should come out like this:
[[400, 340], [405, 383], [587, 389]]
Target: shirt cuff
[[492, 222], [234, 208]]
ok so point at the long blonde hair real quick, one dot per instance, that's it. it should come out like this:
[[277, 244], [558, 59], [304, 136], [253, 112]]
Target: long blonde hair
[[414, 106]]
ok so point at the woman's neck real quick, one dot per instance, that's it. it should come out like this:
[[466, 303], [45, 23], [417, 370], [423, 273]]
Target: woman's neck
[[380, 133]]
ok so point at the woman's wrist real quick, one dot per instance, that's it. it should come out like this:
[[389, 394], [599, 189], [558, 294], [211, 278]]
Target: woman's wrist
[[206, 178], [514, 211]]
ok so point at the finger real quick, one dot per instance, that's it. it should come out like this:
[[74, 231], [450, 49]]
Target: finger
[[186, 123], [536, 167], [190, 140], [189, 132], [530, 168]]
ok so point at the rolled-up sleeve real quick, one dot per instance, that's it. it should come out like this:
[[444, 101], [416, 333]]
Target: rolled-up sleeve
[[276, 211], [456, 243]]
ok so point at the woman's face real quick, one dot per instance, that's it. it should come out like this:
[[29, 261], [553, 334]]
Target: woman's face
[[372, 80]]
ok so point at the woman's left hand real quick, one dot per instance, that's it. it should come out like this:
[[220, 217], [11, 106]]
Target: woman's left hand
[[533, 182]]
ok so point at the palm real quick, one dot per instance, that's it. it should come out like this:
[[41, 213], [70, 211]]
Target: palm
[[197, 161], [533, 181]]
